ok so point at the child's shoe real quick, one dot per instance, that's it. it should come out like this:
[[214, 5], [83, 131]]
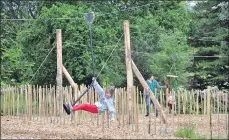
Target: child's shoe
[[68, 108]]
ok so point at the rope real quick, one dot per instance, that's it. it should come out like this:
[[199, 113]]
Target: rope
[[42, 62], [109, 57], [92, 53], [85, 91]]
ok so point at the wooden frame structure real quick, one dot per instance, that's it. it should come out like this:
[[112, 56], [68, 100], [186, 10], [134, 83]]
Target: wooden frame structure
[[130, 65]]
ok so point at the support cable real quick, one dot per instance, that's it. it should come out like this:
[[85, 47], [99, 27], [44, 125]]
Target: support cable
[[43, 62]]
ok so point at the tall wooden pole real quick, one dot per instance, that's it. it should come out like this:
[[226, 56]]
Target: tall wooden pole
[[59, 70], [128, 68], [145, 85]]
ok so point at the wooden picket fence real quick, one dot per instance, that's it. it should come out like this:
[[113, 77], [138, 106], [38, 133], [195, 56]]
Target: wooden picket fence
[[42, 104]]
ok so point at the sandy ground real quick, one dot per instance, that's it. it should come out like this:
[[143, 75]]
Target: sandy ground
[[55, 128]]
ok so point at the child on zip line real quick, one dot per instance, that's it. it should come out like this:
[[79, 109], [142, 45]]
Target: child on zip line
[[105, 102]]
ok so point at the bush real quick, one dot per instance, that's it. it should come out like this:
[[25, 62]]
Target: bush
[[188, 132]]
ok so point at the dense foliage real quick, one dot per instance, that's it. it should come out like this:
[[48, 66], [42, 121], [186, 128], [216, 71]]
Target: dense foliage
[[159, 32], [209, 27]]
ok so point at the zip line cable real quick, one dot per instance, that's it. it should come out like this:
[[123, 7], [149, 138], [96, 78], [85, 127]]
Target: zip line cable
[[43, 62], [189, 38], [114, 49], [147, 54], [181, 56], [131, 8], [99, 15]]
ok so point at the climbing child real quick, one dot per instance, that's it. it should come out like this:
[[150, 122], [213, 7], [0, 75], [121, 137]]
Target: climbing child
[[105, 102], [152, 83]]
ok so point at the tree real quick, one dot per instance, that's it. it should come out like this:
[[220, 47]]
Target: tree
[[14, 67], [151, 24], [210, 31]]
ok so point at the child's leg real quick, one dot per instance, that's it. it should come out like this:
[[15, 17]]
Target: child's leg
[[86, 107]]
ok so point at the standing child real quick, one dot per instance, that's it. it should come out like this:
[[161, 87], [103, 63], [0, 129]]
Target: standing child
[[105, 102], [153, 84], [170, 99]]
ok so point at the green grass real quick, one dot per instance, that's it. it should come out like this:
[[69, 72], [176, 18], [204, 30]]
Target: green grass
[[188, 132]]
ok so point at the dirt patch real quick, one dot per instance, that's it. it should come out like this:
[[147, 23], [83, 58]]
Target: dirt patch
[[56, 128]]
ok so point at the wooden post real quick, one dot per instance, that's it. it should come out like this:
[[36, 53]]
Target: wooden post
[[69, 78], [43, 104], [9, 102], [208, 109], [13, 98], [179, 107], [116, 102], [227, 116], [4, 95], [59, 70], [193, 98], [30, 102], [179, 102], [145, 85], [190, 101], [126, 102], [54, 103], [135, 111], [50, 103], [225, 101], [40, 102], [184, 102], [218, 113], [143, 103], [173, 108], [167, 92], [161, 101], [155, 111], [6, 100], [46, 103], [201, 104], [213, 112], [26, 100], [128, 69], [70, 91], [21, 105], [33, 101], [197, 103], [120, 106], [37, 102], [123, 111], [18, 105], [205, 100]]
